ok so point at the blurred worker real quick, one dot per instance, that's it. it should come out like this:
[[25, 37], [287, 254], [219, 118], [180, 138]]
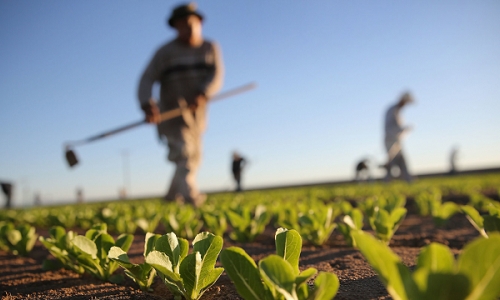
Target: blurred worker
[[362, 170], [453, 160], [79, 195], [394, 131], [237, 166], [188, 68], [7, 190]]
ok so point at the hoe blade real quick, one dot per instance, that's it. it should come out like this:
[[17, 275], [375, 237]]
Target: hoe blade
[[71, 158]]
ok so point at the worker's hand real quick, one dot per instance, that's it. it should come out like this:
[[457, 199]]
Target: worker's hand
[[151, 111], [199, 101]]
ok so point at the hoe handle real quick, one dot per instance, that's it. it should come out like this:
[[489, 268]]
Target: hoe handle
[[163, 117]]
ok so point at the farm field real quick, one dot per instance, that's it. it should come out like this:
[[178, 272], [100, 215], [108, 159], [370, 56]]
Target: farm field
[[324, 246]]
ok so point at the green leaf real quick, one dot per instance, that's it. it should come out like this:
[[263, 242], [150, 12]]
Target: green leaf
[[103, 242], [190, 269], [394, 275], [209, 247], [436, 258], [327, 285], [161, 262], [442, 286], [474, 218], [85, 245], [289, 246], [169, 244], [278, 273], [491, 224], [14, 236], [116, 253], [150, 241], [124, 241], [243, 271], [480, 262], [305, 275]]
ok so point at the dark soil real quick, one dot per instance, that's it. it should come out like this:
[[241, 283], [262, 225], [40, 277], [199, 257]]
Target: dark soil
[[23, 277]]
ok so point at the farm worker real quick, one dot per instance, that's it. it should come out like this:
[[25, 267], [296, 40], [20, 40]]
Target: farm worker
[[7, 190], [394, 131], [188, 68], [453, 160], [237, 167], [362, 170]]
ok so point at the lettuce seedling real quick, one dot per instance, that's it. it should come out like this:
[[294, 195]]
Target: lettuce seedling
[[245, 226], [17, 239], [317, 224], [352, 221], [215, 222], [93, 249], [429, 203], [277, 276], [149, 224], [386, 223], [183, 221], [475, 274], [60, 245], [143, 274], [485, 224], [187, 276]]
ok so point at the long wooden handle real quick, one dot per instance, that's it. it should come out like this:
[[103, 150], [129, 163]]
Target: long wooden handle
[[170, 114], [164, 116]]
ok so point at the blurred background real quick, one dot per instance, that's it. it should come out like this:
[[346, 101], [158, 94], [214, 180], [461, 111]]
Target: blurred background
[[326, 72]]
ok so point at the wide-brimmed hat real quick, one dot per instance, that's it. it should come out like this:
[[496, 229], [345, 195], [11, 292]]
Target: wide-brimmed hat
[[182, 11]]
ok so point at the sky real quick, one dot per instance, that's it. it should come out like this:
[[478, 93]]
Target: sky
[[326, 72]]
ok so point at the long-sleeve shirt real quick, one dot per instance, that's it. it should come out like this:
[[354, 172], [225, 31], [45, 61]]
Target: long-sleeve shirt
[[183, 72], [394, 128]]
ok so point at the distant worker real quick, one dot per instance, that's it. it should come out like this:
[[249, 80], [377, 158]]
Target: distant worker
[[362, 171], [79, 195], [453, 160], [7, 190], [188, 68], [237, 166], [394, 131]]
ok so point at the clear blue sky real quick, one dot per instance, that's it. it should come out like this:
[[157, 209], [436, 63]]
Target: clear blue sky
[[326, 73]]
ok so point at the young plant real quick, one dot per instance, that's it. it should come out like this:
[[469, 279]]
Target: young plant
[[143, 274], [187, 276], [60, 245], [277, 276], [351, 222], [429, 203], [245, 226], [149, 224], [317, 224], [475, 274], [386, 223], [485, 224], [215, 222], [93, 248], [426, 201], [17, 239], [183, 221], [442, 212]]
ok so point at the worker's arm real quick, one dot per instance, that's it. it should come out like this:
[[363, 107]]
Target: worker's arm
[[213, 82], [150, 75]]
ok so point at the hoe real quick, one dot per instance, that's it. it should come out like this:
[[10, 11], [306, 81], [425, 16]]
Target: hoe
[[72, 159]]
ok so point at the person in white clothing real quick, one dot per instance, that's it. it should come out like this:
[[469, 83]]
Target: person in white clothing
[[394, 132]]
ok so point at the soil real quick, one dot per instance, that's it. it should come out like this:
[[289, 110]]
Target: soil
[[23, 277]]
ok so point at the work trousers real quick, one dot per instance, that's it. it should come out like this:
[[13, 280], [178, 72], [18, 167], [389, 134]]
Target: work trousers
[[396, 158], [184, 144]]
